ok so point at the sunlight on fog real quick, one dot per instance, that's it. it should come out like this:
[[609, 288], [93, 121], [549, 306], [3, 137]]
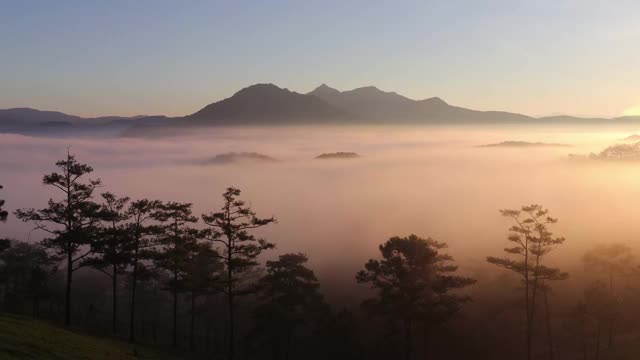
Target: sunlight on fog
[[431, 181]]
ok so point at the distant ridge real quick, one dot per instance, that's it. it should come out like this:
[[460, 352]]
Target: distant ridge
[[265, 104], [521, 144], [268, 104]]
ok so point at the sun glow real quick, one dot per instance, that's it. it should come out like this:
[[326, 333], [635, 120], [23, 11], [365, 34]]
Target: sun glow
[[632, 111]]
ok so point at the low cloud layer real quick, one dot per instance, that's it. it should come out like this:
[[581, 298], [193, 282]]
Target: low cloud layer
[[428, 181]]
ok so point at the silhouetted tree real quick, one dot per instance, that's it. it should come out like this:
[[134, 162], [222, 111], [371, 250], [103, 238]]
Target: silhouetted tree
[[598, 305], [24, 272], [413, 282], [4, 244], [140, 212], [202, 276], [177, 242], [3, 213], [578, 325], [532, 240], [70, 222], [612, 261], [229, 229], [290, 299], [545, 276], [112, 246]]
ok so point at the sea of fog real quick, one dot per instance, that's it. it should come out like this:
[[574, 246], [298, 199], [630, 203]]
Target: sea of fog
[[429, 181]]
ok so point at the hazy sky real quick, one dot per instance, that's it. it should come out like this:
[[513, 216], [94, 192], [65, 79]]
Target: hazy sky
[[173, 57]]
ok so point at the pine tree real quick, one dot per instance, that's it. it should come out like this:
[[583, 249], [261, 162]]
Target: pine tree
[[3, 213], [532, 240], [613, 261], [112, 246], [290, 301], [140, 212], [176, 243], [413, 281], [71, 221], [238, 248]]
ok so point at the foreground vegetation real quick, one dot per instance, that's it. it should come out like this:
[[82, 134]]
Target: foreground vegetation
[[24, 338]]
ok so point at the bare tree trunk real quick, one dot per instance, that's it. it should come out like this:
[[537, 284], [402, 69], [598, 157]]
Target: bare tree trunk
[[67, 297], [408, 339], [526, 298], [612, 315], [598, 341], [114, 316], [193, 320], [547, 311], [36, 306], [207, 337], [230, 304], [583, 338], [287, 349], [132, 310], [175, 308]]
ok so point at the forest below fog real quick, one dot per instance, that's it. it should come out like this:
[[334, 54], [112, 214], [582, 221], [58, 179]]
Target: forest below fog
[[152, 271]]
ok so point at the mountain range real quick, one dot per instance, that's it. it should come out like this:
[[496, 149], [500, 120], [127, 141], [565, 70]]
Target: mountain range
[[268, 104]]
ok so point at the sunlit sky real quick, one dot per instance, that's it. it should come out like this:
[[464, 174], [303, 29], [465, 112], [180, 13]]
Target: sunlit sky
[[578, 57]]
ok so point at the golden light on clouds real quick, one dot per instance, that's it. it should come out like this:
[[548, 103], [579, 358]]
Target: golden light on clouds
[[632, 111]]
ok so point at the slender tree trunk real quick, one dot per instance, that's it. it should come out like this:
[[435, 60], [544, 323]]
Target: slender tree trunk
[[547, 313], [193, 321], [69, 219], [207, 336], [114, 316], [598, 341], [287, 349], [526, 299], [408, 339], [610, 335], [175, 308], [134, 284], [36, 306], [67, 296], [612, 315], [154, 323], [230, 304]]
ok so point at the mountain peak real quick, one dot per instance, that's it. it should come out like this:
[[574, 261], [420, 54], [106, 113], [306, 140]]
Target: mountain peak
[[323, 89], [368, 90], [267, 101], [434, 101], [264, 88]]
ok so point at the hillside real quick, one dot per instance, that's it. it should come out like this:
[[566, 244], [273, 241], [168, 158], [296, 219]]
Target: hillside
[[370, 104], [24, 338], [266, 104]]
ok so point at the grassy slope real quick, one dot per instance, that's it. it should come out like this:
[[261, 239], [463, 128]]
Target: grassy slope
[[24, 338]]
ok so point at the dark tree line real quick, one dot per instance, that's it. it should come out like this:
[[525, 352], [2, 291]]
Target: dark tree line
[[3, 213], [160, 263]]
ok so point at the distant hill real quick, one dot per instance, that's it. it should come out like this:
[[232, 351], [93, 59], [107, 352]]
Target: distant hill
[[370, 104], [524, 144], [337, 155], [266, 104], [24, 338], [233, 157], [29, 121]]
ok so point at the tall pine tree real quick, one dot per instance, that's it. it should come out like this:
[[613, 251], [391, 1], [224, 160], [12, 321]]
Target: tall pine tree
[[70, 221], [176, 244], [239, 249]]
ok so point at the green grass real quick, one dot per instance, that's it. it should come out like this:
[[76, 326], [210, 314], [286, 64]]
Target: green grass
[[24, 338]]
